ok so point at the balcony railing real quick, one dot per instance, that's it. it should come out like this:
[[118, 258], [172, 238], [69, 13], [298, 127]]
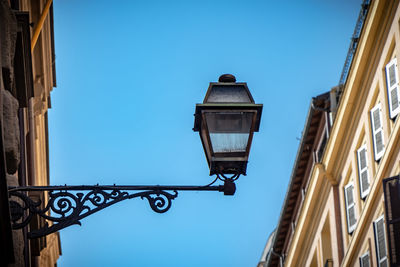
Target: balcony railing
[[354, 41]]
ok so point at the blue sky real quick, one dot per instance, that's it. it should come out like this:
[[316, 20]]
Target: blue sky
[[129, 74]]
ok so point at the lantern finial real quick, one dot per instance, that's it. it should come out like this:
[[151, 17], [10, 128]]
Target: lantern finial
[[227, 78]]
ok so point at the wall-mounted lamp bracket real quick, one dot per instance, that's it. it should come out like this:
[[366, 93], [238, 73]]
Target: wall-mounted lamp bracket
[[67, 205]]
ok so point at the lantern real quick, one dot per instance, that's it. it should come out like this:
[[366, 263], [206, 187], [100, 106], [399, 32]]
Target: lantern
[[226, 122]]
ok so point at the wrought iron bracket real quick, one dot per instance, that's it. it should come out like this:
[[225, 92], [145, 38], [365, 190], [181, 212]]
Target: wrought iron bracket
[[67, 205]]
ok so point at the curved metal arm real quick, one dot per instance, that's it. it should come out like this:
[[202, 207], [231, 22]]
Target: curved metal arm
[[67, 205]]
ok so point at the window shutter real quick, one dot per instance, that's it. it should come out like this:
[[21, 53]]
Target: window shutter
[[364, 260], [380, 242], [350, 207], [392, 81], [391, 192], [377, 131], [363, 171]]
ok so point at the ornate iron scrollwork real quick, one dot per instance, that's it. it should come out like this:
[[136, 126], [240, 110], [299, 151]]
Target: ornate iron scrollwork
[[65, 208], [68, 205]]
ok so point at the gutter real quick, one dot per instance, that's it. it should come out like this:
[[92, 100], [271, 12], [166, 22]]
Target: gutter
[[40, 23]]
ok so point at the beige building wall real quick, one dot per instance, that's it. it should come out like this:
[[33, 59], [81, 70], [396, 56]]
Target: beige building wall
[[322, 235], [371, 89]]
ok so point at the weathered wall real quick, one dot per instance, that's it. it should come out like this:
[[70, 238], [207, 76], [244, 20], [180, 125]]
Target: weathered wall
[[11, 134]]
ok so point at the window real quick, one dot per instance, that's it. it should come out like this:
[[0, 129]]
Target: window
[[377, 131], [392, 81], [364, 260], [380, 242], [350, 207], [363, 171]]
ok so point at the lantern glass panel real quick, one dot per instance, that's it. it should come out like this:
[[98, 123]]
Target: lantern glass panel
[[229, 131]]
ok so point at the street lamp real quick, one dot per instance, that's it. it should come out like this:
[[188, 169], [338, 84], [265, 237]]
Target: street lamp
[[226, 122]]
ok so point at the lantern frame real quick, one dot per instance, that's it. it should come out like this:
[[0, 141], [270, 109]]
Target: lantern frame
[[238, 99]]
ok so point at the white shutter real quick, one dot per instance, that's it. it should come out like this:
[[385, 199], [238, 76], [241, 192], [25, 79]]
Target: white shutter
[[392, 81], [364, 260], [380, 242], [377, 131], [350, 207], [363, 171]]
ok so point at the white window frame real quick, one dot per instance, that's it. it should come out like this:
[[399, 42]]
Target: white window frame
[[363, 191], [350, 228], [377, 154], [378, 258], [395, 86], [366, 254]]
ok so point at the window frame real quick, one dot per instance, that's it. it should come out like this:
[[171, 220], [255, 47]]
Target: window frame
[[366, 254], [350, 228], [392, 113], [377, 155], [377, 250], [363, 192]]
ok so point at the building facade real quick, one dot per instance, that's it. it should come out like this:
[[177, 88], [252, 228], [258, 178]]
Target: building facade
[[334, 210], [26, 81]]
